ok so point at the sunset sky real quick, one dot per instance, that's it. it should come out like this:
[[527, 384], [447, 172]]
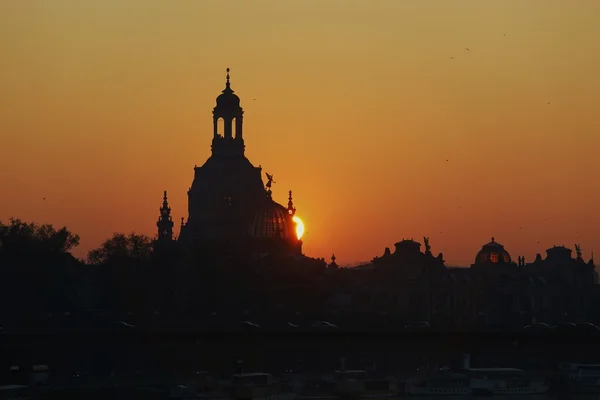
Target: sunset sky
[[359, 109]]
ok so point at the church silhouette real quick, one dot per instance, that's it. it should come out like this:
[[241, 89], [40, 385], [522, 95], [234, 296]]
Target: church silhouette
[[230, 209]]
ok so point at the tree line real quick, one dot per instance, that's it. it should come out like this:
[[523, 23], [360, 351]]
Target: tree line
[[128, 275], [20, 239]]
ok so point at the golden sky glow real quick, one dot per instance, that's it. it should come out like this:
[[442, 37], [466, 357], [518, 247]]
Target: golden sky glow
[[358, 109]]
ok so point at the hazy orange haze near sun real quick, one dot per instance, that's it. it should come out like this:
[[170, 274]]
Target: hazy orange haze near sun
[[359, 110]]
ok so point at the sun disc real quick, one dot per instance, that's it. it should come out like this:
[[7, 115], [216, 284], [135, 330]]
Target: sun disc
[[299, 227]]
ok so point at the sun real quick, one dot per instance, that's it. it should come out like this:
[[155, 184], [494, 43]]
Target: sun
[[299, 227]]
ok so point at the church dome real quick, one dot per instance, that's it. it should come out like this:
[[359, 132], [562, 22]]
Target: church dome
[[492, 252], [271, 220], [228, 99]]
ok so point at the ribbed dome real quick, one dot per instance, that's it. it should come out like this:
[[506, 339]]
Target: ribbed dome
[[492, 252], [272, 220]]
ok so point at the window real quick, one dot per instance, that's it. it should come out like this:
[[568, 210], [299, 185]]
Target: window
[[220, 127], [494, 257]]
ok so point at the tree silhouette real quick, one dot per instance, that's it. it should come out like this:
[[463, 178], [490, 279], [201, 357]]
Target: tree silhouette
[[122, 248], [22, 238], [37, 274]]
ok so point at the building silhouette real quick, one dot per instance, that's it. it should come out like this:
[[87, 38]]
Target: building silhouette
[[414, 285], [230, 209]]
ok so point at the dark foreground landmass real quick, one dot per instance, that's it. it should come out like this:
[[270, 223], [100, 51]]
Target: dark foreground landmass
[[226, 351]]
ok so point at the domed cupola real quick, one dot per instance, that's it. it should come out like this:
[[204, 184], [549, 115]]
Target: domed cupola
[[492, 252], [408, 247], [558, 254], [230, 140], [272, 220], [228, 100]]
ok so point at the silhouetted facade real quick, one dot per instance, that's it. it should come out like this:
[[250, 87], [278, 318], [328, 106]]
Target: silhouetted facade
[[416, 286], [560, 266]]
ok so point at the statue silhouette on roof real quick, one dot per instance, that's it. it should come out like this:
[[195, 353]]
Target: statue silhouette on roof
[[270, 182]]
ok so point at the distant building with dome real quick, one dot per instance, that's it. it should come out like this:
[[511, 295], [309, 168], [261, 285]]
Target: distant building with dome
[[230, 209], [406, 282], [492, 253]]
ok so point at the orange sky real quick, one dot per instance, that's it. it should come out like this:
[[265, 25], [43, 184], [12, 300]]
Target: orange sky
[[104, 104]]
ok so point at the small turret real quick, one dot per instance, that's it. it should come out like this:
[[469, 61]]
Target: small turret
[[230, 142], [165, 221], [291, 209]]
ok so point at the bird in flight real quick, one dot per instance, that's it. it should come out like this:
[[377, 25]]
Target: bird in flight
[[468, 49]]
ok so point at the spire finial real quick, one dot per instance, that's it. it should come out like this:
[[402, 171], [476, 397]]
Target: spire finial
[[492, 239], [333, 264], [227, 83], [291, 208], [165, 220], [165, 202]]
